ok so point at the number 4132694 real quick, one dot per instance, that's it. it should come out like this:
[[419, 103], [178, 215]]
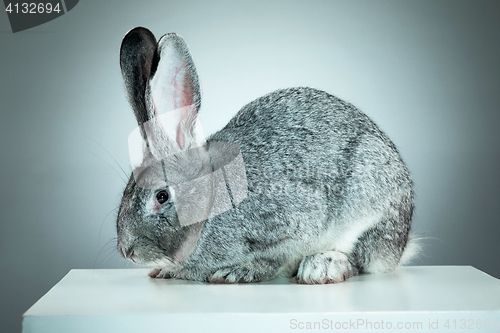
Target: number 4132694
[[32, 8], [471, 324]]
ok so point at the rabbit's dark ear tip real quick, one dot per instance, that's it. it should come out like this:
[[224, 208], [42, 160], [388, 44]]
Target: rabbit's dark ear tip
[[136, 39], [141, 31]]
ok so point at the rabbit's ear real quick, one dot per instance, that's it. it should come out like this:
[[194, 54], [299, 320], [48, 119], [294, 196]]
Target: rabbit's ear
[[174, 93], [136, 57]]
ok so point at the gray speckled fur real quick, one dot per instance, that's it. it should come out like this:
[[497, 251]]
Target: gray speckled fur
[[321, 176]]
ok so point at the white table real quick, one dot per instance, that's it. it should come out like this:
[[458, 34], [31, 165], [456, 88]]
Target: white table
[[411, 298]]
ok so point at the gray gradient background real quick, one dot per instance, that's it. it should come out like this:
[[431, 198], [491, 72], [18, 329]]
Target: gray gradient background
[[428, 72]]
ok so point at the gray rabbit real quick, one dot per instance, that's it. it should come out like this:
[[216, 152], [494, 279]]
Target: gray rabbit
[[326, 196]]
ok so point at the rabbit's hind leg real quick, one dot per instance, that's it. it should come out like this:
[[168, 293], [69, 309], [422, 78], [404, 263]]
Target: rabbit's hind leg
[[380, 248], [325, 267]]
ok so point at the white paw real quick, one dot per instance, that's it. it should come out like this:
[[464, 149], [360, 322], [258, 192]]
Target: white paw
[[325, 267]]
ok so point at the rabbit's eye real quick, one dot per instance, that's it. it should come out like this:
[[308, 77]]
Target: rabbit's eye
[[162, 196]]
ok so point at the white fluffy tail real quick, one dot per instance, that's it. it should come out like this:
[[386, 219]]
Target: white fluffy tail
[[412, 250]]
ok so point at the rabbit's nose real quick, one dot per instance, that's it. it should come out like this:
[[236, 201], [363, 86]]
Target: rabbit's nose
[[127, 253]]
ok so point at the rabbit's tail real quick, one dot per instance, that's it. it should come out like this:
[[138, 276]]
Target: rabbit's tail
[[412, 250]]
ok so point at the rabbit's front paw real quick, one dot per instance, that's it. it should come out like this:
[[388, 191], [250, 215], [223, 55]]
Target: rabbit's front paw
[[325, 267], [235, 274], [158, 273]]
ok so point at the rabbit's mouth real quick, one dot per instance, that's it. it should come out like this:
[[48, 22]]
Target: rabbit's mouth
[[155, 258], [143, 251]]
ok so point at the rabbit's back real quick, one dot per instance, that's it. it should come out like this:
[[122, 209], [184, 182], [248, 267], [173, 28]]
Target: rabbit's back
[[309, 136]]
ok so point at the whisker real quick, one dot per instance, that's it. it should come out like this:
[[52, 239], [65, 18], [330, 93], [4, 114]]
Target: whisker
[[110, 155], [102, 159], [102, 224], [110, 244]]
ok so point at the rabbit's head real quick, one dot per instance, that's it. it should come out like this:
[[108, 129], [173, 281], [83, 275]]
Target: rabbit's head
[[172, 168]]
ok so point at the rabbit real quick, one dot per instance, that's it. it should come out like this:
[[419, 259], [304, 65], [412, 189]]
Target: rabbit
[[327, 195]]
